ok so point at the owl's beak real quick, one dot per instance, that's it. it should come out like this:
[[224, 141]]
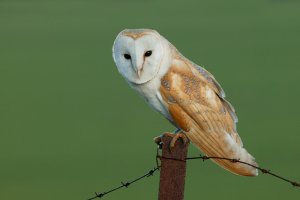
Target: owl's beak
[[138, 67], [139, 71]]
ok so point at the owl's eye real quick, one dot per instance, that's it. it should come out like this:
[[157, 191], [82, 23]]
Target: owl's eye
[[127, 56], [148, 53]]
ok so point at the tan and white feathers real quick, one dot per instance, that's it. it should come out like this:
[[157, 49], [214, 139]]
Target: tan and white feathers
[[186, 94]]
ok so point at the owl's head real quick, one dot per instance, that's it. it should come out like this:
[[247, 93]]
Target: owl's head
[[139, 54]]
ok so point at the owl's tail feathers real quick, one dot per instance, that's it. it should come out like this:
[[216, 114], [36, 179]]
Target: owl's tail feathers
[[225, 147], [237, 167]]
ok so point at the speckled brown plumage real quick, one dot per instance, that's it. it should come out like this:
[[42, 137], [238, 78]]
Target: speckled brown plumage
[[197, 106]]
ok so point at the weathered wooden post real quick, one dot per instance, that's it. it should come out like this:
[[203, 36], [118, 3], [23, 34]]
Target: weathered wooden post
[[173, 169]]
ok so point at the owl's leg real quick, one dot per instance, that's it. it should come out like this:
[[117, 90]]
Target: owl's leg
[[175, 136], [177, 131]]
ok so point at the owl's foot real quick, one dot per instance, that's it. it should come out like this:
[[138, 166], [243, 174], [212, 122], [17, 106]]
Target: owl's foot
[[175, 137]]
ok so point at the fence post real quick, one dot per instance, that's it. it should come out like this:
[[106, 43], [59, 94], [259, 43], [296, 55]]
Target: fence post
[[172, 172]]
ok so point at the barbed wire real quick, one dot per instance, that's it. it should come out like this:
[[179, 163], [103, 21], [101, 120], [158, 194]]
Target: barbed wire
[[126, 185], [204, 158], [264, 171]]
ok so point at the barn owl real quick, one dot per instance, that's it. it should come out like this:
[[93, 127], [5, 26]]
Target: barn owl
[[184, 93]]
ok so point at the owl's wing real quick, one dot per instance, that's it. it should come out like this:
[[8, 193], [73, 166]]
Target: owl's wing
[[196, 103]]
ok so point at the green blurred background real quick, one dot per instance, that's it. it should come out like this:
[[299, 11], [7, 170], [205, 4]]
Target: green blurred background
[[70, 125]]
